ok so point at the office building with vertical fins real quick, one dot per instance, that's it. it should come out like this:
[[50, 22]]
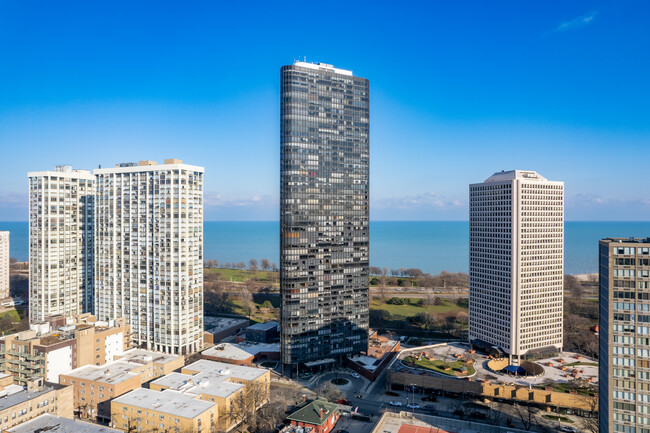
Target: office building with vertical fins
[[149, 252], [324, 251], [624, 335], [4, 265], [61, 215], [516, 264]]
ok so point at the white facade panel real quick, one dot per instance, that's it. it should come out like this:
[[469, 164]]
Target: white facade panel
[[59, 361], [114, 345]]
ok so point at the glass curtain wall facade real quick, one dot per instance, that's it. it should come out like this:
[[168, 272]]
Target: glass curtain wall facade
[[624, 335], [61, 210], [149, 253], [324, 215]]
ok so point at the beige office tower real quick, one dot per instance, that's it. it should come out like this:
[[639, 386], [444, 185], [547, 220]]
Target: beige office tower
[[516, 264], [60, 243], [4, 265], [149, 252], [624, 335]]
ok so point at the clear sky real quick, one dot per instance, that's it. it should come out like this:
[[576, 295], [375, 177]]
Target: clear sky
[[459, 90]]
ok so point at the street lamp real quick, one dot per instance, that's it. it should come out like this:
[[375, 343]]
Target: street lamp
[[412, 398]]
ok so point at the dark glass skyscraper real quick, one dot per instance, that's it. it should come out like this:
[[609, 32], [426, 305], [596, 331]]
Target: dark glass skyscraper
[[323, 213]]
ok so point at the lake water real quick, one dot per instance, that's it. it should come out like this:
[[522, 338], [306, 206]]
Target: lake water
[[432, 246]]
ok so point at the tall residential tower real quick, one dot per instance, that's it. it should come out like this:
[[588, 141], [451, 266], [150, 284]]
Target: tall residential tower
[[60, 243], [624, 335], [516, 264], [324, 216], [149, 252]]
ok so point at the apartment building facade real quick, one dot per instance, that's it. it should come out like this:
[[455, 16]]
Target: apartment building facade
[[50, 349], [209, 394], [517, 264], [324, 213], [149, 252], [4, 265], [19, 404], [61, 204], [624, 335], [95, 386]]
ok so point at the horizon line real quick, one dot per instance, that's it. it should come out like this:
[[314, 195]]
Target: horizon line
[[383, 220]]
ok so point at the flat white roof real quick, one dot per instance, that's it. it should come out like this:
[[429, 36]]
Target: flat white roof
[[254, 348], [222, 370], [321, 66], [110, 373], [56, 424], [168, 401], [143, 356], [516, 174], [74, 174], [141, 168], [226, 351]]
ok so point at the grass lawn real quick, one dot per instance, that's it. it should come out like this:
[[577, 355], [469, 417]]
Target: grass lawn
[[439, 366], [258, 315], [11, 314], [558, 418], [447, 308], [564, 387], [588, 364], [241, 275]]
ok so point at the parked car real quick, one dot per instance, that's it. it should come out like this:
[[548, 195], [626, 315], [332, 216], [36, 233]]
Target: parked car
[[567, 429], [355, 375], [395, 403], [429, 407], [344, 401], [413, 406], [429, 398]]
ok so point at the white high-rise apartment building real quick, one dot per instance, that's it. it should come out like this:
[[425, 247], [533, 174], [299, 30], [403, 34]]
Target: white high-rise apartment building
[[149, 252], [60, 243], [4, 265], [516, 263]]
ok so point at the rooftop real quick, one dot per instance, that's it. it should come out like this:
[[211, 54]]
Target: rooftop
[[254, 348], [127, 167], [216, 324], [406, 422], [311, 413], [209, 377], [55, 424], [264, 326], [516, 174], [16, 396], [323, 66], [168, 401], [227, 351], [142, 356], [630, 240], [110, 373]]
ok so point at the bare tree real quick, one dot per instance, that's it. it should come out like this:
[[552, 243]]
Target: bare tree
[[527, 416], [573, 285], [266, 265], [329, 391], [238, 413], [252, 264]]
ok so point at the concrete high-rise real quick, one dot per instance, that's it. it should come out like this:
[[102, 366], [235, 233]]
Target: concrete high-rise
[[516, 264], [324, 216], [60, 243], [624, 335], [149, 252], [4, 265]]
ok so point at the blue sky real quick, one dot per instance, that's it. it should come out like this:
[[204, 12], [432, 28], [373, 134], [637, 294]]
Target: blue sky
[[459, 90]]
